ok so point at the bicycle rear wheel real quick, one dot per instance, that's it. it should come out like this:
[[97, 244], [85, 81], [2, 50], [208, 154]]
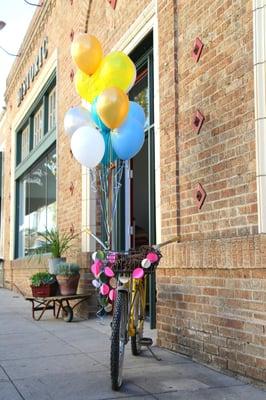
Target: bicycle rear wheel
[[139, 315], [119, 339]]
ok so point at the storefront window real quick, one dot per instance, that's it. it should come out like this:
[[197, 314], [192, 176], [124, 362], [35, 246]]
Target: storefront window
[[37, 203]]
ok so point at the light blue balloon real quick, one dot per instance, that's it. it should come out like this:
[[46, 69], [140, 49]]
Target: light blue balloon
[[128, 139], [137, 112], [96, 119]]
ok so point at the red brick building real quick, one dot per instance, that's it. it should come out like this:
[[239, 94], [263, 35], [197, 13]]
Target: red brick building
[[205, 125]]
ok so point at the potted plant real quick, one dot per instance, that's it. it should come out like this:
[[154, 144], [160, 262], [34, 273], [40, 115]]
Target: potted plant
[[67, 275], [51, 241], [43, 284]]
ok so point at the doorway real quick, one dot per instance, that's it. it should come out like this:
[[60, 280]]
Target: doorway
[[136, 222]]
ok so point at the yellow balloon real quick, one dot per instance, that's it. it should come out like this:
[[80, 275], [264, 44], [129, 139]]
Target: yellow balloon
[[88, 87], [112, 107], [86, 52], [117, 70]]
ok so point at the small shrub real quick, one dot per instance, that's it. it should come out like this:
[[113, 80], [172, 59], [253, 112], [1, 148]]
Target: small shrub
[[42, 278]]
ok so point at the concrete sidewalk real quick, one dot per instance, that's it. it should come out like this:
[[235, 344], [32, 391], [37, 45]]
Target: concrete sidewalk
[[54, 360]]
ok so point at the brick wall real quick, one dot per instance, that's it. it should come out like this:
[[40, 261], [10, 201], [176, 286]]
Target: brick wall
[[212, 302], [222, 157], [211, 286]]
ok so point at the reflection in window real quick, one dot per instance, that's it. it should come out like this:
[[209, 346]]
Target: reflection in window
[[37, 203], [140, 93], [52, 110], [38, 127]]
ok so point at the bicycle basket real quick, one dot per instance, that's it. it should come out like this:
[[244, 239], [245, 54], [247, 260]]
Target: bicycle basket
[[127, 262]]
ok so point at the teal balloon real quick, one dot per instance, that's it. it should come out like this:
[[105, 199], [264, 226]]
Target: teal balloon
[[137, 112], [109, 154], [128, 139], [96, 119]]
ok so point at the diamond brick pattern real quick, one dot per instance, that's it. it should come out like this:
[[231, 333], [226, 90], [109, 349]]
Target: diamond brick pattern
[[198, 120], [200, 196], [197, 49]]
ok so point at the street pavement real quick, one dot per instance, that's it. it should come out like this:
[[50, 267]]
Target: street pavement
[[55, 360]]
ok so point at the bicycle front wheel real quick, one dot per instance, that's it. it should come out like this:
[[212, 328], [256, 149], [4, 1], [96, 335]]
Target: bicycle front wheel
[[119, 339]]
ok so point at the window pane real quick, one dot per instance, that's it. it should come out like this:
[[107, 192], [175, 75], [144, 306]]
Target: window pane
[[52, 110], [24, 216], [51, 190], [38, 126], [140, 93], [37, 208], [25, 142], [37, 201]]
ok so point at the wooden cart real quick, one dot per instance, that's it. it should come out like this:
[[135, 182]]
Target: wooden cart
[[57, 304]]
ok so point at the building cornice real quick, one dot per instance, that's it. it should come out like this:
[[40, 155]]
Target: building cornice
[[34, 32]]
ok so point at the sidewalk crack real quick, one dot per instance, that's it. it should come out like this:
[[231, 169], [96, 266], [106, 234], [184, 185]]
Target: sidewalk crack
[[13, 383]]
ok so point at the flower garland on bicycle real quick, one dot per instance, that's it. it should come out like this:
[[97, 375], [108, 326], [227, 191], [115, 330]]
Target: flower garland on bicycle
[[111, 268]]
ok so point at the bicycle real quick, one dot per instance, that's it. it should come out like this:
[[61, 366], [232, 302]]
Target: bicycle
[[129, 311]]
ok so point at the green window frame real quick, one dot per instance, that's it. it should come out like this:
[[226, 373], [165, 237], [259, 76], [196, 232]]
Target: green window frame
[[39, 139], [46, 141]]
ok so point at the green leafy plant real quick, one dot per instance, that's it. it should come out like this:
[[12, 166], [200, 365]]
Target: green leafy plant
[[67, 269], [54, 242], [42, 278]]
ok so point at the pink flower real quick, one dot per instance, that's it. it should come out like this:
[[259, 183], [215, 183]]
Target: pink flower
[[138, 273], [112, 295], [104, 290], [111, 258], [109, 272], [96, 268], [152, 257]]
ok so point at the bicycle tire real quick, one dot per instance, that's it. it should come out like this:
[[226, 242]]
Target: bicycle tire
[[138, 325], [119, 339]]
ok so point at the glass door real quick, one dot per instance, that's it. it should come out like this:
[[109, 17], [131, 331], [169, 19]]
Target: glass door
[[136, 222]]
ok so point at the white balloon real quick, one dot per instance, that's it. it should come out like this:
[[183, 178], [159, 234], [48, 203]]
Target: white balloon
[[76, 117], [87, 145]]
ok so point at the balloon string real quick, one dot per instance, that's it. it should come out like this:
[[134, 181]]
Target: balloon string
[[106, 179]]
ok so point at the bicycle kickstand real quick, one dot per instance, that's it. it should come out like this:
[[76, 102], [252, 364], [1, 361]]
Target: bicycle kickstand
[[148, 343]]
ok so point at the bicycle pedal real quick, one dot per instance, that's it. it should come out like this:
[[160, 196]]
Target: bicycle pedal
[[145, 341]]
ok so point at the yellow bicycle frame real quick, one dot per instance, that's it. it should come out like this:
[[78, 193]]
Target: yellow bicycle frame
[[137, 286]]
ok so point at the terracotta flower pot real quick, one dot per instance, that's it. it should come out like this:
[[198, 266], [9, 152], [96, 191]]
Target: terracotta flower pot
[[68, 284]]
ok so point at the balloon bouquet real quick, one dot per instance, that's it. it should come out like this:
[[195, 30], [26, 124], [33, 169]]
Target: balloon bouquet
[[109, 129], [105, 131]]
